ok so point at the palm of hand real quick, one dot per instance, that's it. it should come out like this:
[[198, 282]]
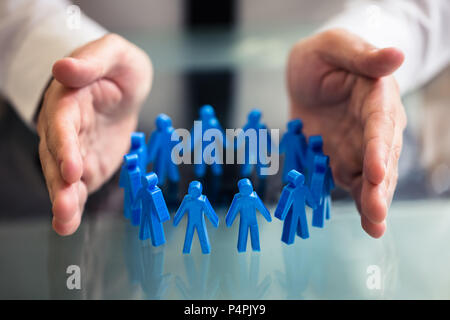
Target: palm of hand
[[88, 113], [355, 115]]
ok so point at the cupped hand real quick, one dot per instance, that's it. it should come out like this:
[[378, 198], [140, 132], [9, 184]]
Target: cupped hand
[[343, 89], [84, 125]]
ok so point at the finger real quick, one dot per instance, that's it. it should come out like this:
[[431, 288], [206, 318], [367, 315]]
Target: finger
[[379, 119], [392, 172], [375, 230], [358, 56], [373, 201], [77, 72], [64, 196], [62, 139], [110, 57], [97, 59]]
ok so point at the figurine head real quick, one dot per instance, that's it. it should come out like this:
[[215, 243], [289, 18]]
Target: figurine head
[[316, 143], [195, 189], [137, 140], [245, 187], [320, 163], [163, 121], [150, 180], [295, 126], [295, 178], [131, 161], [207, 112], [254, 116]]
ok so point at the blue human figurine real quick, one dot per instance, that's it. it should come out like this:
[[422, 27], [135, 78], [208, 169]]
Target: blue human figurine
[[196, 205], [247, 202], [159, 150], [130, 181], [315, 148], [321, 185], [154, 210], [293, 145], [254, 156], [138, 147], [291, 207], [218, 143]]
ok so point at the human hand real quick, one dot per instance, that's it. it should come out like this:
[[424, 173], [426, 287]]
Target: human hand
[[343, 89], [88, 113]]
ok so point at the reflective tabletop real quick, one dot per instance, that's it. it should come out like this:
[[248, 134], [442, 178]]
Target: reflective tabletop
[[234, 72]]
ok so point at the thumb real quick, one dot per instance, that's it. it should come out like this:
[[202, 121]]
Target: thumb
[[100, 58], [348, 51]]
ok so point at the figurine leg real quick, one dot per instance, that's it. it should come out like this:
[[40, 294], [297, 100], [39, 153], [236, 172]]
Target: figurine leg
[[144, 228], [156, 231], [127, 203], [242, 240], [254, 236], [188, 239], [136, 214], [319, 215], [302, 226], [288, 235], [203, 238], [327, 207]]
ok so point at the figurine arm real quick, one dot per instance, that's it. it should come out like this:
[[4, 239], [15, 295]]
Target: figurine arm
[[210, 213], [159, 206], [262, 208], [301, 155], [285, 203], [180, 212], [232, 212], [137, 197]]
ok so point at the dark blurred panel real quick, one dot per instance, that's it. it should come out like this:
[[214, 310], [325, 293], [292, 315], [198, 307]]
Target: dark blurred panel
[[205, 13]]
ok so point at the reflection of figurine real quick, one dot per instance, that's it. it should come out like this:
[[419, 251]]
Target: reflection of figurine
[[160, 147], [247, 285], [130, 181], [321, 185], [217, 143], [253, 154], [200, 285], [153, 280], [196, 205], [297, 272], [293, 145], [247, 202], [154, 210], [291, 207]]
